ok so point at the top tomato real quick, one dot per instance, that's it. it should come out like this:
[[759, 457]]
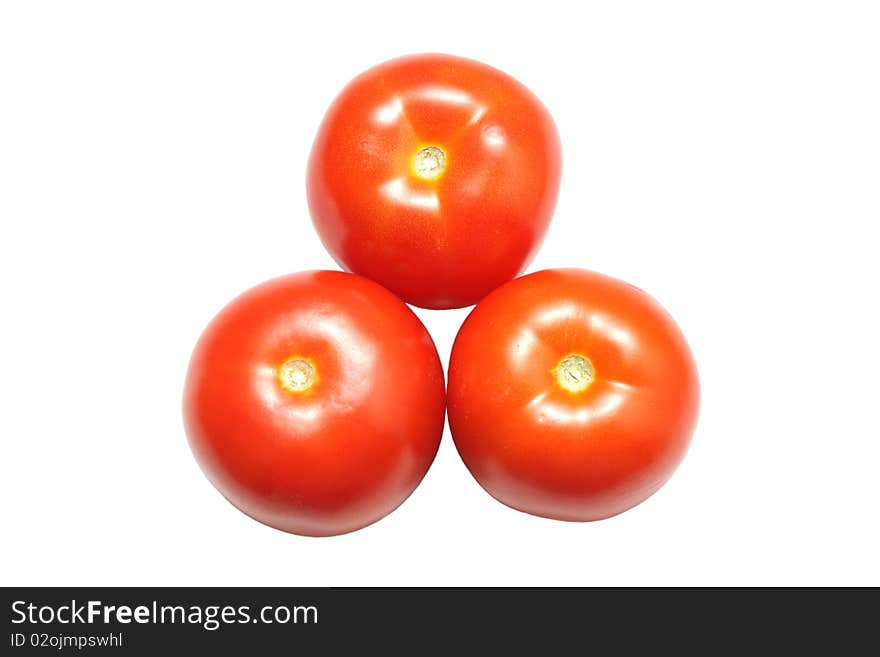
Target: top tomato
[[435, 176]]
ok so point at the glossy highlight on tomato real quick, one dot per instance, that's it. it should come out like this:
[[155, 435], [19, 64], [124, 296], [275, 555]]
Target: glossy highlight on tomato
[[315, 402], [572, 395], [435, 176]]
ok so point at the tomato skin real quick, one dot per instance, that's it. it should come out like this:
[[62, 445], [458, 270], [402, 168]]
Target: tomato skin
[[550, 452], [449, 241], [347, 451]]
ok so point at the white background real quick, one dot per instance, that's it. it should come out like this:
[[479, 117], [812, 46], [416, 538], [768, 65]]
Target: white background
[[723, 156]]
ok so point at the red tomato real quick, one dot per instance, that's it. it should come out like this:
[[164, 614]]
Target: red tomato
[[435, 176], [571, 395], [315, 402]]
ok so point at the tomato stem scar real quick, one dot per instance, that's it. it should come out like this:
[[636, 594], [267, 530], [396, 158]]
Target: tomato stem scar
[[574, 373], [297, 374], [429, 162]]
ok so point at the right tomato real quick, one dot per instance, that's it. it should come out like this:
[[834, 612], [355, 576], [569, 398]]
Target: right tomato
[[571, 395]]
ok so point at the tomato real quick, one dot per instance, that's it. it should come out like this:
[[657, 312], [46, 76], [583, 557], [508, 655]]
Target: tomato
[[315, 402], [571, 395], [435, 176]]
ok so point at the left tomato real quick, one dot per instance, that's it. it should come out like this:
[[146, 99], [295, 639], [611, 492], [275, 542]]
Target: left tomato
[[315, 402]]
